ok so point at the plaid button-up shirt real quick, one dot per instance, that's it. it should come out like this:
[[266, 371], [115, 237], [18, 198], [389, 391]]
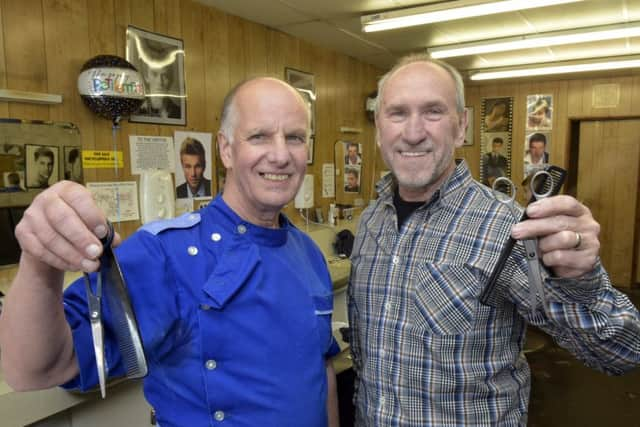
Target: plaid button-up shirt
[[426, 351]]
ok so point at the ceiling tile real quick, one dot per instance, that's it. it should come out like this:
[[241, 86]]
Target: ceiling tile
[[271, 13]]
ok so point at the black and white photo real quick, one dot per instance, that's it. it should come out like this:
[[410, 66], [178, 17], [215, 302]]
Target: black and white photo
[[42, 165], [160, 61]]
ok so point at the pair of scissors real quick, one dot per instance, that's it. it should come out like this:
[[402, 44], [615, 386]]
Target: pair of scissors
[[94, 301], [505, 191]]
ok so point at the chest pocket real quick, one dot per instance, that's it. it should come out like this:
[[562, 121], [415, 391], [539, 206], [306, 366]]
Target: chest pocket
[[231, 274], [445, 299]]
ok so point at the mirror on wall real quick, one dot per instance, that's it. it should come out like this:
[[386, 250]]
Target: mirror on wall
[[33, 156], [349, 167]]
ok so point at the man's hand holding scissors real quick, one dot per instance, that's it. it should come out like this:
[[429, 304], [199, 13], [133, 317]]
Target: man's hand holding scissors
[[567, 235]]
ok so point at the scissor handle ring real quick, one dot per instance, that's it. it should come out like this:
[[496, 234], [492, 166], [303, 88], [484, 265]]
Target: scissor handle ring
[[507, 199], [549, 191]]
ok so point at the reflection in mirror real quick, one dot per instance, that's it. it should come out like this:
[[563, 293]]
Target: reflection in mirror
[[348, 161], [33, 155]]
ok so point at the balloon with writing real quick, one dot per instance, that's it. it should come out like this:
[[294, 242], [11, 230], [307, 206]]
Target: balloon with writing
[[111, 87]]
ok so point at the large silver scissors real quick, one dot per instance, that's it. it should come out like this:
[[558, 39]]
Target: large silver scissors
[[505, 192], [97, 333], [94, 301]]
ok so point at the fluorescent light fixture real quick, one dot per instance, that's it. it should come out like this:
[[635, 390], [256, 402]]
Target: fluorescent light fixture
[[612, 64], [29, 97], [448, 11], [581, 35]]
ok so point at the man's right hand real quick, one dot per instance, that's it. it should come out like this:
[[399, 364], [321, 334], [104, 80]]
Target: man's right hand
[[62, 229]]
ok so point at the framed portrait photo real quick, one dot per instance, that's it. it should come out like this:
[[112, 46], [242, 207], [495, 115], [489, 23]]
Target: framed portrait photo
[[305, 83], [539, 112], [42, 165], [160, 61], [73, 163]]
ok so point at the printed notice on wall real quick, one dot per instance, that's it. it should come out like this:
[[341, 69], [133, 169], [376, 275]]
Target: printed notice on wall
[[118, 200], [92, 159], [328, 180], [151, 153]]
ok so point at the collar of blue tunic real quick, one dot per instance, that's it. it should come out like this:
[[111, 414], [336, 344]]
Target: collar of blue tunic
[[245, 229], [459, 179]]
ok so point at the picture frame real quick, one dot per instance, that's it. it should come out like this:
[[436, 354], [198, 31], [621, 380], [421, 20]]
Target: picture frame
[[539, 113], [305, 84], [160, 61], [495, 138], [198, 148], [42, 165], [72, 161]]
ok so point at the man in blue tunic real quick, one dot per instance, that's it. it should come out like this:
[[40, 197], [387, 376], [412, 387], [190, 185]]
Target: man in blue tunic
[[233, 302]]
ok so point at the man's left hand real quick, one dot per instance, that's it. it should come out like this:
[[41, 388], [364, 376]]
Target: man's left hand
[[567, 235]]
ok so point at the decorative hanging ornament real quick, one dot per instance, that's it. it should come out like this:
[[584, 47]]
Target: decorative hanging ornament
[[111, 87]]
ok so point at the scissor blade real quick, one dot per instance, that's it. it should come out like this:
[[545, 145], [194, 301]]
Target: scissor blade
[[97, 333], [534, 273], [98, 348]]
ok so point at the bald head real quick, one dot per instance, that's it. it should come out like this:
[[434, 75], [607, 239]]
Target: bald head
[[249, 90]]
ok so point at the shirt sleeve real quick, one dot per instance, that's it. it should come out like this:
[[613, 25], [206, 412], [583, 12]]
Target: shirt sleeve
[[594, 321]]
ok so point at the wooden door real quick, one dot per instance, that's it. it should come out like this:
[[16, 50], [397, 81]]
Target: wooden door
[[609, 159]]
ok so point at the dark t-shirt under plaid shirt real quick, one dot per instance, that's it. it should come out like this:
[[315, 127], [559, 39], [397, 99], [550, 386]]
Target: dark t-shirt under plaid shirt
[[426, 351]]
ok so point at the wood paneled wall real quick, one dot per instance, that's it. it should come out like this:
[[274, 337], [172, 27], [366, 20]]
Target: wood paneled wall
[[43, 44]]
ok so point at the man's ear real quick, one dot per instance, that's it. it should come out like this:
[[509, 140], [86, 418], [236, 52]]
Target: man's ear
[[224, 149], [462, 129]]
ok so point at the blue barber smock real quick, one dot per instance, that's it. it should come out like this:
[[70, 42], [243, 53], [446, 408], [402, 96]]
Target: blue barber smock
[[235, 320]]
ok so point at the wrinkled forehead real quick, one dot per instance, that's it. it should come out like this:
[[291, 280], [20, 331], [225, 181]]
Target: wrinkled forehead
[[412, 76], [271, 99]]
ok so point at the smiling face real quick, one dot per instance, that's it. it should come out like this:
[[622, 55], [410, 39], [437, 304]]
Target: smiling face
[[267, 156], [193, 168], [419, 127]]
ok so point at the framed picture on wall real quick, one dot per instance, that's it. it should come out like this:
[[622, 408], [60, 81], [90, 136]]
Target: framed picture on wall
[[536, 152], [160, 61], [495, 138], [305, 83], [42, 165], [539, 112]]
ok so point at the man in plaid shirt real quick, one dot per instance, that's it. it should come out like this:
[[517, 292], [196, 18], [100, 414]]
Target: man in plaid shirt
[[426, 351]]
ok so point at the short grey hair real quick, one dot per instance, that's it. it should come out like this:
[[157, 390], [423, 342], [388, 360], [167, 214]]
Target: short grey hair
[[228, 116], [425, 58]]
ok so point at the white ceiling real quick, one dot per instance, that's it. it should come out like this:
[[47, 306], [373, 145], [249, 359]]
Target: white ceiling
[[335, 24]]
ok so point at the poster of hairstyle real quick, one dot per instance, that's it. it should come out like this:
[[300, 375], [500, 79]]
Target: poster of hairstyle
[[194, 164], [42, 165], [495, 156], [495, 137], [539, 112], [536, 151], [73, 163], [352, 175], [160, 61]]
